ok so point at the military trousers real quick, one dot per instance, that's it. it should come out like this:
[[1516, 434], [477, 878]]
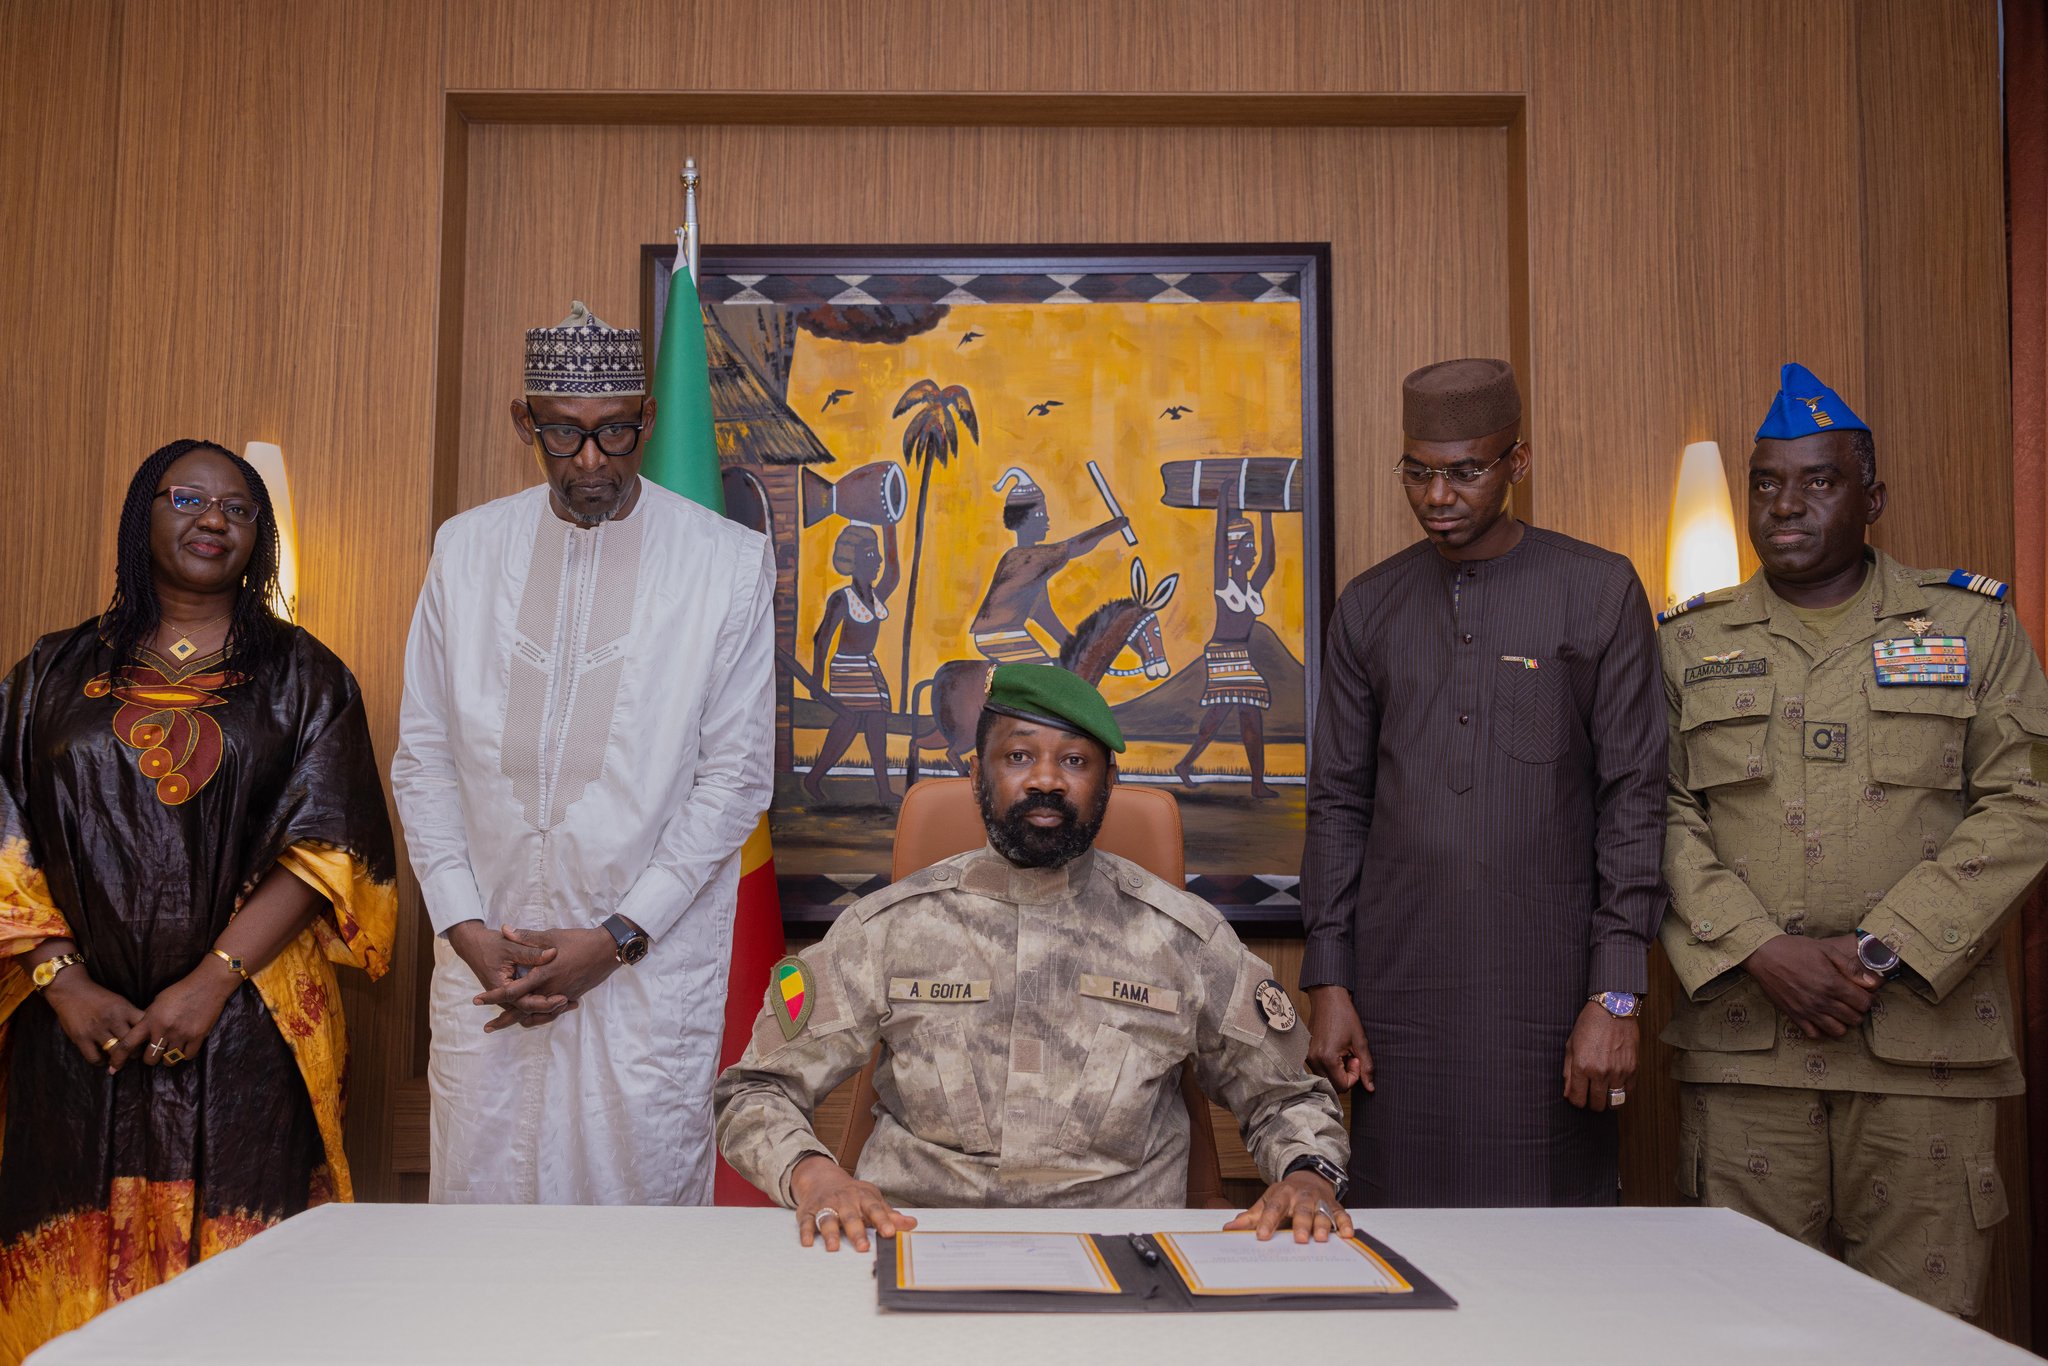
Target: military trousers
[[1909, 1183]]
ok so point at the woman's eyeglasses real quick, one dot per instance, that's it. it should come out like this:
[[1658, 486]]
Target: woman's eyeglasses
[[190, 502]]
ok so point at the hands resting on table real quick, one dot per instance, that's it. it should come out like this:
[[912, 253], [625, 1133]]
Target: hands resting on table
[[832, 1204]]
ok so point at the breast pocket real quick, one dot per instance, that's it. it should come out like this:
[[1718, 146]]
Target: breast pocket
[[1115, 1100], [1917, 735], [1531, 709], [934, 1081], [1725, 733]]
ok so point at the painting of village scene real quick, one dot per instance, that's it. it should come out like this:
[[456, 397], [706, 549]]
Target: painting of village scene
[[1110, 464]]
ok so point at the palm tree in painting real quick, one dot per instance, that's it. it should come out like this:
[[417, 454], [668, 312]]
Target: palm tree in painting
[[931, 438]]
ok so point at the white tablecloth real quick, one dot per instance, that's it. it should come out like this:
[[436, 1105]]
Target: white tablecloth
[[447, 1286]]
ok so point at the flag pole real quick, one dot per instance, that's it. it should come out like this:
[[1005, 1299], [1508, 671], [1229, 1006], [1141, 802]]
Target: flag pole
[[688, 232]]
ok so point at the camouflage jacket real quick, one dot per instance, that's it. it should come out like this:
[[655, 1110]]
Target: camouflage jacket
[[1809, 796], [1033, 1025]]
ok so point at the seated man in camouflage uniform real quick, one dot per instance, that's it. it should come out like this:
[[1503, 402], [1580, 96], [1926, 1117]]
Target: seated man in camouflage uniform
[[1035, 1002]]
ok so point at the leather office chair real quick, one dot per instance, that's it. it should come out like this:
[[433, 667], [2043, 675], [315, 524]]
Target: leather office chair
[[940, 818]]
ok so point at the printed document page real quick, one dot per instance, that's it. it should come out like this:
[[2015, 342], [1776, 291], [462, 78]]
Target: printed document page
[[1239, 1264], [1001, 1261]]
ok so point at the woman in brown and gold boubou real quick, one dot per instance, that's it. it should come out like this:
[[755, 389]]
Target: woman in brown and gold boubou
[[191, 833]]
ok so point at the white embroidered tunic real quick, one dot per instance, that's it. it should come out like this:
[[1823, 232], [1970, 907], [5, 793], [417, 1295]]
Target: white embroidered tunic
[[587, 728]]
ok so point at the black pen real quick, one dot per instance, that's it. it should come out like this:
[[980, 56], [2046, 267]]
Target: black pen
[[1147, 1253]]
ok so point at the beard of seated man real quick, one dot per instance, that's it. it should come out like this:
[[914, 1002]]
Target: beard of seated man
[[1013, 836]]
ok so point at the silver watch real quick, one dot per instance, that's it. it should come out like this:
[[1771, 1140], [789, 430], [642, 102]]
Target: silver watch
[[1873, 953]]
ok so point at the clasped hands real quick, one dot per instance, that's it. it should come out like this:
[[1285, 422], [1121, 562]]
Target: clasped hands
[[106, 1027], [1819, 984], [532, 976], [833, 1204]]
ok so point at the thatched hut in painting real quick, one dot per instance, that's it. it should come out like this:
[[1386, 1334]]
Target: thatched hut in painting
[[763, 447]]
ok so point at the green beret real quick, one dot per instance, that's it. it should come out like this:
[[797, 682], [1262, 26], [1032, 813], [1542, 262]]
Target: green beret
[[1049, 694]]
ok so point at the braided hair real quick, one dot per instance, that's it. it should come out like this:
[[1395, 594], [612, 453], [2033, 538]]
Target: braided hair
[[256, 636]]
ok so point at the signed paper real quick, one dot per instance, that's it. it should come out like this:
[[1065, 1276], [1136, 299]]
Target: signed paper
[[1239, 1264], [1001, 1261]]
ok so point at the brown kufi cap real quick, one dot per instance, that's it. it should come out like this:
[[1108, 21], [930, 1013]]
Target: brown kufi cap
[[1460, 400]]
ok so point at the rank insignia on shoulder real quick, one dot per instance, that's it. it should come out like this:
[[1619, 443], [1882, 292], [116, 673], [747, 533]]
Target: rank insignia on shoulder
[[1976, 583], [1942, 661], [1681, 609], [1275, 1005], [791, 995]]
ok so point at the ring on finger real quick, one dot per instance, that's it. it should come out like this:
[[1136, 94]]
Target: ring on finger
[[1326, 1211], [110, 1043], [174, 1056], [818, 1219], [156, 1047], [1617, 1096]]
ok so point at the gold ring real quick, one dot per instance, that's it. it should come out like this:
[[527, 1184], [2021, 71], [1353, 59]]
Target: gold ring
[[1617, 1097], [174, 1056], [112, 1042]]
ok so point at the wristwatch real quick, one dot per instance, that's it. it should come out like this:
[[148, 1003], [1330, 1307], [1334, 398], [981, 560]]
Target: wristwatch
[[1323, 1167], [1622, 1005], [1880, 957], [46, 971], [631, 939]]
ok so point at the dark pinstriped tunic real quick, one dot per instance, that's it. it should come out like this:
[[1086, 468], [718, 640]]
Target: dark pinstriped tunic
[[1485, 823]]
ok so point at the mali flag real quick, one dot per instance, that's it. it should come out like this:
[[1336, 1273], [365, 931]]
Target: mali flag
[[682, 456]]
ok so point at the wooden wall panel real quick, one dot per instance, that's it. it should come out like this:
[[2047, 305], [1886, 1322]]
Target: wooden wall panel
[[1934, 293], [58, 99], [1415, 217], [225, 219], [925, 45], [275, 280]]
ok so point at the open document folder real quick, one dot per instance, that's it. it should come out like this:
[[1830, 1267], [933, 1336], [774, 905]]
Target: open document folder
[[1139, 1272]]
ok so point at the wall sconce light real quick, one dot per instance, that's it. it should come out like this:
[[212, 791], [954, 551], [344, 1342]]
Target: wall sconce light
[[269, 462], [1701, 553]]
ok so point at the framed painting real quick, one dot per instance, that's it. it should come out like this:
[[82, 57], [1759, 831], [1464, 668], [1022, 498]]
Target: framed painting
[[1112, 458]]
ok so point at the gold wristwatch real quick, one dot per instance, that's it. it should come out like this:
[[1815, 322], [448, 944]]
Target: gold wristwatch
[[46, 971]]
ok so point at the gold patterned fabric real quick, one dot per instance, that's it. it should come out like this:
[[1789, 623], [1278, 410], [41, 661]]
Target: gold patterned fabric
[[138, 808]]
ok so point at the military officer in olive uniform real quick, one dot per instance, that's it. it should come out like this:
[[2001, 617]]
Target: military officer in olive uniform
[[1855, 807], [1035, 1002]]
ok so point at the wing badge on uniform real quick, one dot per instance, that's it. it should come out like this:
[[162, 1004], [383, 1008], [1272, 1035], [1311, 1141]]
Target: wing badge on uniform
[[791, 995]]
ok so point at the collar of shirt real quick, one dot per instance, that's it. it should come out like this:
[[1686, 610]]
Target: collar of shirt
[[990, 874], [1898, 594]]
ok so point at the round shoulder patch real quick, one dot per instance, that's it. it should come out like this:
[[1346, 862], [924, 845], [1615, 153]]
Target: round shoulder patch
[[1275, 1005], [791, 995]]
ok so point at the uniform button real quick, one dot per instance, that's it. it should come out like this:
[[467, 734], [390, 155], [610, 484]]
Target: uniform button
[[1464, 718], [1134, 880], [1703, 927], [1951, 936], [1467, 637]]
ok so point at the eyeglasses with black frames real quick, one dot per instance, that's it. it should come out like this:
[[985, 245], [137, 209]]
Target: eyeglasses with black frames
[[564, 439]]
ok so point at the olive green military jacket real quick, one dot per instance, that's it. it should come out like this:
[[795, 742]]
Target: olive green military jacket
[[1808, 798], [1033, 1026]]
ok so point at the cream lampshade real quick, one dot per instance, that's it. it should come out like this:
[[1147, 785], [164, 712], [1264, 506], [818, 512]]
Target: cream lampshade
[[1701, 554], [269, 462]]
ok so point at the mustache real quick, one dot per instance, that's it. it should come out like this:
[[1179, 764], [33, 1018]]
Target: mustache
[[1042, 801]]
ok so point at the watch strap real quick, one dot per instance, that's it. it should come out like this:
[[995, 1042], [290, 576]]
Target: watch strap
[[1322, 1166]]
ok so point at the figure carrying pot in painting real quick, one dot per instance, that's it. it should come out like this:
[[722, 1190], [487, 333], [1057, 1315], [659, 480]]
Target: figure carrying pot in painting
[[853, 678], [1235, 685], [1017, 592]]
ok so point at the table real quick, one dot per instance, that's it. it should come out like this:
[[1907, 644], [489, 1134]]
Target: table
[[452, 1285]]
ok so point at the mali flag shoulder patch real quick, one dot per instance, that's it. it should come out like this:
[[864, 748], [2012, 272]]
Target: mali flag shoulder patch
[[792, 992]]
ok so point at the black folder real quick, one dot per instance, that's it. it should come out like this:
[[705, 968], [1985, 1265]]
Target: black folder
[[1148, 1288]]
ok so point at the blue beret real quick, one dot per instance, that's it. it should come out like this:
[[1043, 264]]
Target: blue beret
[[1804, 406], [1049, 694]]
